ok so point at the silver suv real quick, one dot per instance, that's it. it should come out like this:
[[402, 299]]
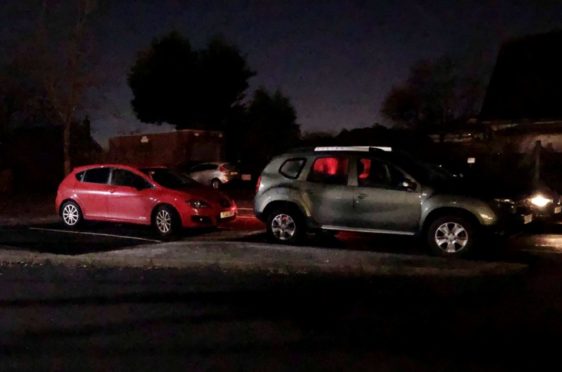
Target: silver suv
[[377, 190]]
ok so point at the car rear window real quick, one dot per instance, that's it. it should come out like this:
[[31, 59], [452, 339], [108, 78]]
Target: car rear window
[[330, 170], [291, 168], [96, 175]]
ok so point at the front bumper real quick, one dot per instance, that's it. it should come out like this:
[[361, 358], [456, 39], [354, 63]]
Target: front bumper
[[548, 212], [207, 217], [512, 219]]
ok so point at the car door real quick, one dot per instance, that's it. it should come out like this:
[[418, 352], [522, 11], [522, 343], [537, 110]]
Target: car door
[[327, 192], [385, 198], [130, 197], [92, 192]]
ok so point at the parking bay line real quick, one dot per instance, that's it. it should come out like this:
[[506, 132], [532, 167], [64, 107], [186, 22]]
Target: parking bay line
[[95, 234]]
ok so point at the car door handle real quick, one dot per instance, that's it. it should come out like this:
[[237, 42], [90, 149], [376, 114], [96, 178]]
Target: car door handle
[[361, 196]]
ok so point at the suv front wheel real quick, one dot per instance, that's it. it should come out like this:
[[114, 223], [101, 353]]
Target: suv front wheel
[[285, 225], [451, 236]]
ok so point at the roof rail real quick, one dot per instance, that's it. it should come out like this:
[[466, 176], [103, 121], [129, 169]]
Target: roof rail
[[354, 148]]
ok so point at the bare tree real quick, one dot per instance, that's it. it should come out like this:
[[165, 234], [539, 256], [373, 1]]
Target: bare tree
[[64, 66]]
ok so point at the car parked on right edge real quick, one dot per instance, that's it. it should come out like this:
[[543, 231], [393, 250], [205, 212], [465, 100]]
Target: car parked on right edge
[[377, 190]]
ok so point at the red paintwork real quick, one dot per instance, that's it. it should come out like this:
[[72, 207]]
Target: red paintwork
[[105, 202]]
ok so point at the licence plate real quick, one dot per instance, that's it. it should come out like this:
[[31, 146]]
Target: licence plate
[[246, 177], [557, 210], [227, 214], [528, 218]]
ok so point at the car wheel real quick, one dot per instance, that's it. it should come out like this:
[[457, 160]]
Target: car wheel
[[165, 221], [451, 236], [216, 184], [71, 214], [286, 226]]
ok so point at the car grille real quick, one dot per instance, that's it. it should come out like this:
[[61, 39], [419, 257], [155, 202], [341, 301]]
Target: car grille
[[224, 203]]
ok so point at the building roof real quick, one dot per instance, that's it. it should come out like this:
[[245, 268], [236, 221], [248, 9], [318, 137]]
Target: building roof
[[526, 83]]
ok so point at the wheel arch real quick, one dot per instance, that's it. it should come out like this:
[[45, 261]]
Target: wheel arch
[[282, 204], [449, 211], [70, 200]]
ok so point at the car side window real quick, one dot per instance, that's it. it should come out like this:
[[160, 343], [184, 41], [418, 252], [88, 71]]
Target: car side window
[[196, 168], [96, 175], [373, 172], [122, 177], [203, 167], [331, 170], [291, 168]]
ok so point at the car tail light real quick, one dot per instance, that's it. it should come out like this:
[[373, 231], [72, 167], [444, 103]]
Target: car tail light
[[222, 168], [258, 184]]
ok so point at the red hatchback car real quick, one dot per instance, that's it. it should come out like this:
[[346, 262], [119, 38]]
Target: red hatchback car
[[155, 196]]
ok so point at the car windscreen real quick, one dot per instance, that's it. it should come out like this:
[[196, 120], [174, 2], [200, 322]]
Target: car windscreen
[[169, 178]]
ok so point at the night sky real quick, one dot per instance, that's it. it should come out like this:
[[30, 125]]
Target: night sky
[[336, 60]]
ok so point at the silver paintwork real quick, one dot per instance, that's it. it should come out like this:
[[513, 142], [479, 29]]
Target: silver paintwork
[[207, 176], [353, 208]]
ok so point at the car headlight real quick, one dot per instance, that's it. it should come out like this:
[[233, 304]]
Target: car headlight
[[198, 204], [540, 200]]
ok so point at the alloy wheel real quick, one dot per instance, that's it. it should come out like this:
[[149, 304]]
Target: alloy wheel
[[283, 227], [451, 237], [70, 214], [164, 221]]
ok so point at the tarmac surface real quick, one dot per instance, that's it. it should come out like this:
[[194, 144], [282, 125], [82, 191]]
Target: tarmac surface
[[117, 297]]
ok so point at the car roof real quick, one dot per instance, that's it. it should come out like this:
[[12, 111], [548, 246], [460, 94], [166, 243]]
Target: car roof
[[116, 165], [339, 150]]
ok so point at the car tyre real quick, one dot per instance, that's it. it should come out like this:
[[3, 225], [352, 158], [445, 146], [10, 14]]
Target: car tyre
[[71, 214], [451, 236], [165, 221], [216, 183], [285, 226]]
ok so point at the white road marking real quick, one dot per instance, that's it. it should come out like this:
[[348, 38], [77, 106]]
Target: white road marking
[[95, 234], [246, 209], [247, 217]]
